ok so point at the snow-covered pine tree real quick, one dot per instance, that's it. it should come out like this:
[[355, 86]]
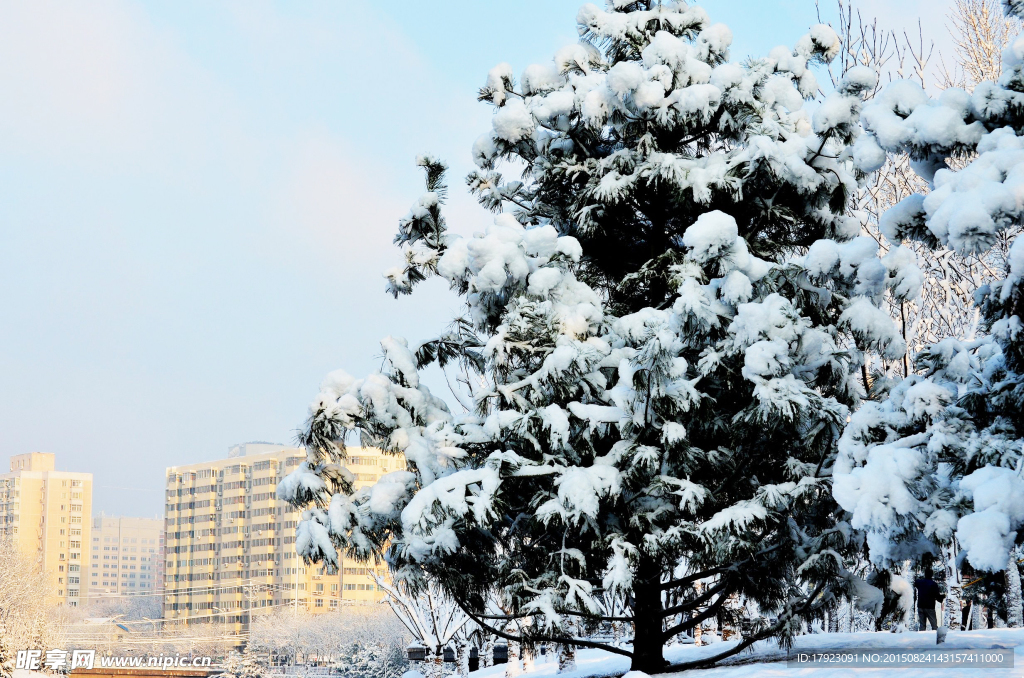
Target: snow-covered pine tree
[[664, 333], [252, 666], [372, 660], [232, 666], [940, 459]]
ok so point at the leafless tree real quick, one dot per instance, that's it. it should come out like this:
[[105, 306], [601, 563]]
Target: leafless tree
[[946, 305], [29, 615], [980, 31]]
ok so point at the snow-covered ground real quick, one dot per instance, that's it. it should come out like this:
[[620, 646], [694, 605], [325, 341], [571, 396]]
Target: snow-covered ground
[[767, 661]]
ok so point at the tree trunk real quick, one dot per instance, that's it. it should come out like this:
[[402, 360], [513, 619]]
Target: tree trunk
[[997, 622], [617, 633], [566, 658], [434, 663], [566, 652], [952, 612], [487, 652], [732, 612], [649, 640], [977, 618], [514, 667], [528, 658], [462, 657], [847, 625], [1014, 611]]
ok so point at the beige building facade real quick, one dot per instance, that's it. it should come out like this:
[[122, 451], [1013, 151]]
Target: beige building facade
[[230, 544], [45, 513], [126, 557]]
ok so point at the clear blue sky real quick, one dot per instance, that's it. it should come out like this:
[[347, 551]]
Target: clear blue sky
[[197, 200]]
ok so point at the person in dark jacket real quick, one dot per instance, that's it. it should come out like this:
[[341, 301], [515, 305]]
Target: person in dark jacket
[[928, 593]]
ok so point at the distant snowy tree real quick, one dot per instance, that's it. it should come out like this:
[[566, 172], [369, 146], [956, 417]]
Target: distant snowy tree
[[127, 607], [298, 635], [27, 614], [665, 330], [937, 465], [7, 652]]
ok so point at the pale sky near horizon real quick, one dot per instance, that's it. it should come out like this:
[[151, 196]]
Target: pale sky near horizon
[[197, 200]]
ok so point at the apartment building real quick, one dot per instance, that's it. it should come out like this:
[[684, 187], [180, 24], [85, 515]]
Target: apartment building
[[126, 557], [45, 513], [230, 544]]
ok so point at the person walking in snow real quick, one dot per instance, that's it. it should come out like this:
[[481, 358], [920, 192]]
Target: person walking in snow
[[928, 593]]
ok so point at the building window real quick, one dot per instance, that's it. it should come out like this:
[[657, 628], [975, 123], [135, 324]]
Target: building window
[[319, 602]]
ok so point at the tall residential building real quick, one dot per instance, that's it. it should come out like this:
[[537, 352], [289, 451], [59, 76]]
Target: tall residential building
[[230, 544], [45, 513], [126, 557]]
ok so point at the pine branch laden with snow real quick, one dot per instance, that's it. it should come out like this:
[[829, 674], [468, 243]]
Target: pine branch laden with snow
[[663, 332], [937, 463]]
